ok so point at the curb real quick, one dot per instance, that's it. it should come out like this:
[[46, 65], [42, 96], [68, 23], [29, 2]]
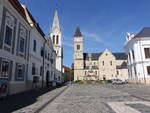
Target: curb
[[51, 100]]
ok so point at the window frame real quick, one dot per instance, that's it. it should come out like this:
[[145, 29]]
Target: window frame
[[22, 52], [147, 53], [5, 60], [5, 44], [20, 78]]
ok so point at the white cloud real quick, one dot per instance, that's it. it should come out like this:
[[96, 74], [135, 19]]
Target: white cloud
[[93, 37]]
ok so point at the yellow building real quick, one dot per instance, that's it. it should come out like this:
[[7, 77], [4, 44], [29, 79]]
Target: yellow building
[[97, 66]]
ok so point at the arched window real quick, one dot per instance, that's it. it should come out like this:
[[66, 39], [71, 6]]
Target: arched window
[[34, 45], [57, 39], [53, 39], [103, 63], [110, 62], [95, 72]]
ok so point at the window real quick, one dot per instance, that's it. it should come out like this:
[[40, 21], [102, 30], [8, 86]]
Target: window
[[133, 55], [147, 52], [103, 63], [148, 70], [46, 54], [20, 71], [110, 62], [34, 45], [57, 39], [48, 57], [41, 70], [53, 39], [5, 69], [78, 47], [8, 36], [42, 52], [135, 71], [33, 69], [129, 57], [22, 44], [117, 72], [95, 72]]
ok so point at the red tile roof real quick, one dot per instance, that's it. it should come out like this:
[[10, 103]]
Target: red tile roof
[[67, 68]]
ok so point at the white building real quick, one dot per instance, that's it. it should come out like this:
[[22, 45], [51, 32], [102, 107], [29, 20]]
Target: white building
[[56, 37], [137, 47], [40, 54], [14, 45], [26, 54]]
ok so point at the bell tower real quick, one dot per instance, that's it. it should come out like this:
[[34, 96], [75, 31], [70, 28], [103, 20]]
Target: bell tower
[[78, 54], [56, 37]]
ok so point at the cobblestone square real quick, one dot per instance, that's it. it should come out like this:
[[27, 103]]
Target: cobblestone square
[[101, 99]]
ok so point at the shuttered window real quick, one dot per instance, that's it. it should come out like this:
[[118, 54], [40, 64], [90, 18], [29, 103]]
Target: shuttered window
[[147, 52]]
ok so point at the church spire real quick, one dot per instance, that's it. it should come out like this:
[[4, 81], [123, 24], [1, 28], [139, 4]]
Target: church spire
[[78, 32], [56, 21]]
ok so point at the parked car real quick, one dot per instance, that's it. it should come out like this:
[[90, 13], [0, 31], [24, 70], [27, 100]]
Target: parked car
[[117, 81]]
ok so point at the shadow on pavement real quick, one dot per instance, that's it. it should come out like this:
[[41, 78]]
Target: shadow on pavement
[[21, 100]]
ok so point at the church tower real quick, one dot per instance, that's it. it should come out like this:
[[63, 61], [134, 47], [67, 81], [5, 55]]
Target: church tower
[[56, 36], [78, 55]]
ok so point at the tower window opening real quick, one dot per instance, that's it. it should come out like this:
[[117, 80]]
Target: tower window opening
[[78, 47], [57, 39], [53, 39]]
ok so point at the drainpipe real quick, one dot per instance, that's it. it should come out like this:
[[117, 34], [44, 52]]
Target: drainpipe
[[43, 63], [142, 61]]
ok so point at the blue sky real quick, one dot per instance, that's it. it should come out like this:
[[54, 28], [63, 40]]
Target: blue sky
[[103, 23]]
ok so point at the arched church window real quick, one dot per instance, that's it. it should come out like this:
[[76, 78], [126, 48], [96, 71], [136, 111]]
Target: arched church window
[[53, 39], [57, 39]]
